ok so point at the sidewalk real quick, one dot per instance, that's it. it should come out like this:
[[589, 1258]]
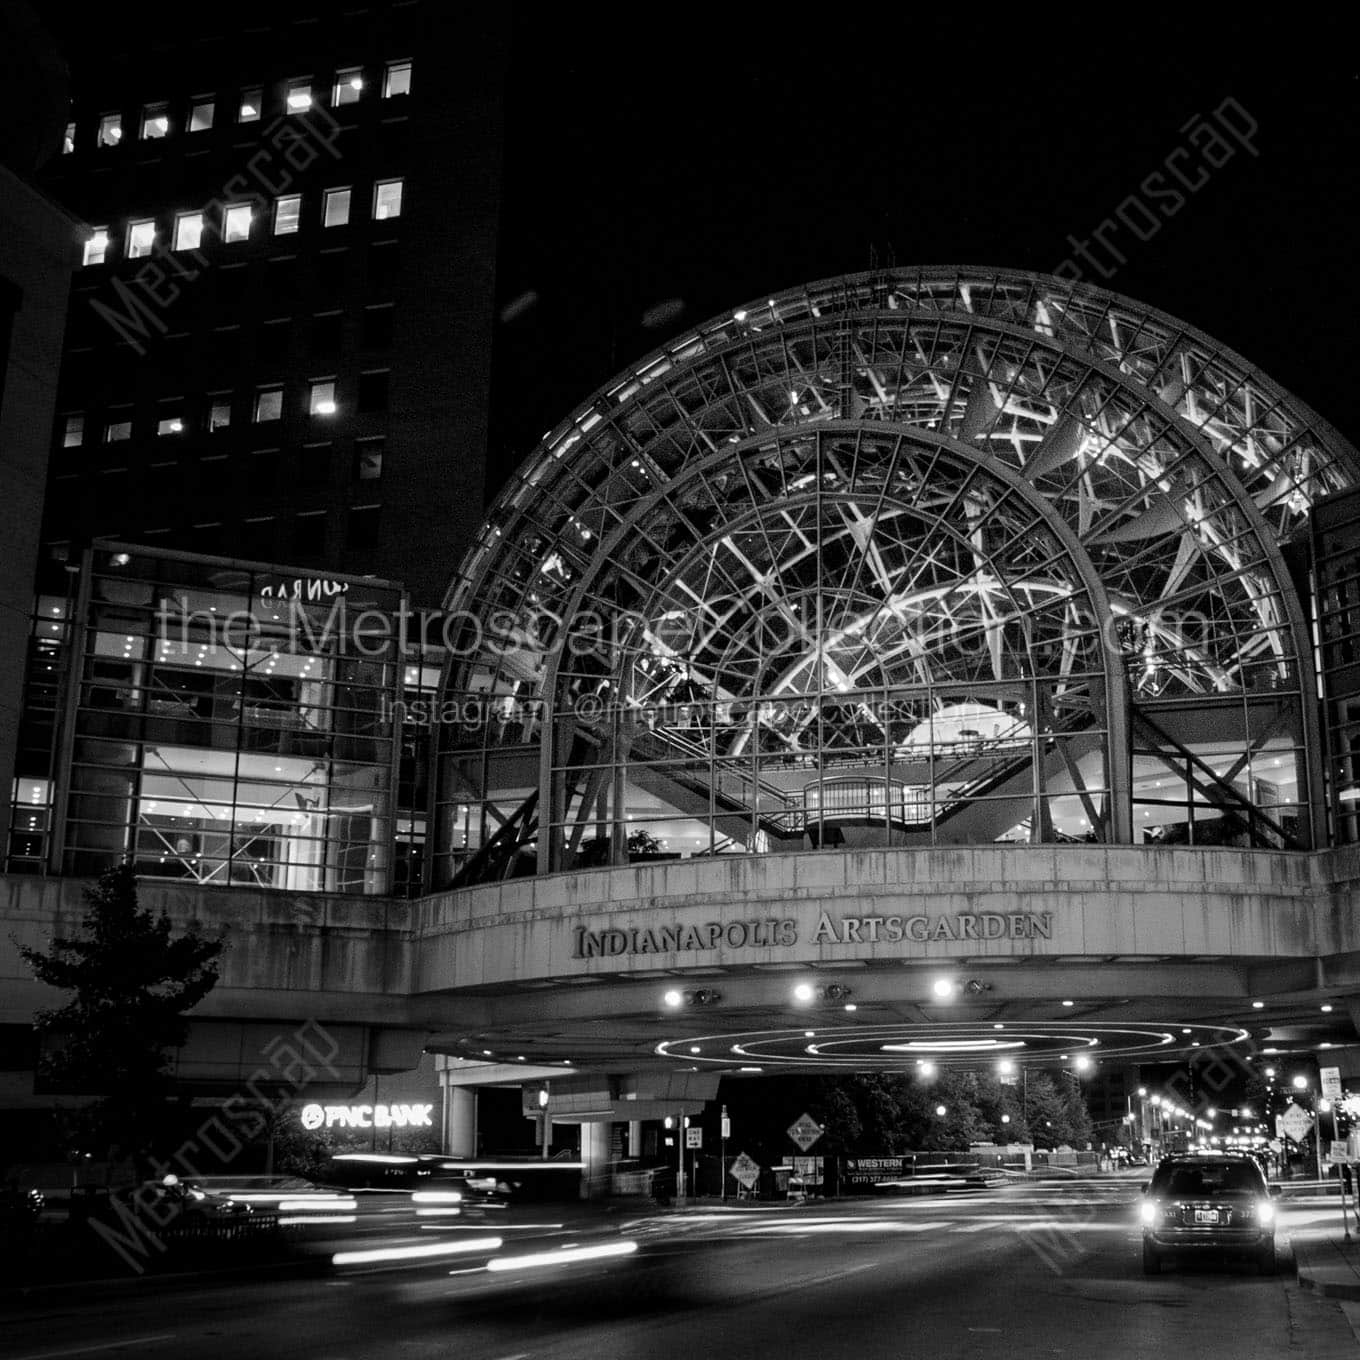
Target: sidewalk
[[1328, 1265]]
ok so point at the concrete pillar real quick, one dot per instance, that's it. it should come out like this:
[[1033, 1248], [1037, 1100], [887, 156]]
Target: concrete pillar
[[595, 1160], [460, 1121], [635, 1138]]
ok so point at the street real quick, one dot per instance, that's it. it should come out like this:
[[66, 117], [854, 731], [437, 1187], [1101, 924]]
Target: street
[[1036, 1270]]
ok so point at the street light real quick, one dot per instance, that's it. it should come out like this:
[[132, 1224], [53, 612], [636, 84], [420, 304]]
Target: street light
[[941, 1111], [1300, 1082]]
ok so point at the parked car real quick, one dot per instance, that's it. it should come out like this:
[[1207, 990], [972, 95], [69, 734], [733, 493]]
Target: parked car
[[1219, 1202]]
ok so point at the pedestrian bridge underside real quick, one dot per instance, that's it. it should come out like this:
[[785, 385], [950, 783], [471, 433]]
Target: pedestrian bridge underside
[[812, 961]]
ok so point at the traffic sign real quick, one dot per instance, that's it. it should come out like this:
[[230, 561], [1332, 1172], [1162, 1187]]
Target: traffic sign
[[1339, 1152], [744, 1171], [694, 1138], [805, 1131], [1296, 1123], [1331, 1082]]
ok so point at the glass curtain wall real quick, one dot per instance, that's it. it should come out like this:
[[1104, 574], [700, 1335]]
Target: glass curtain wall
[[233, 725]]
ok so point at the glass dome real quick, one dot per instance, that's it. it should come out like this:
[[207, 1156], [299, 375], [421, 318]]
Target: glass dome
[[906, 558]]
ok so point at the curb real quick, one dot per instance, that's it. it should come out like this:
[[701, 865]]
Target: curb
[[1315, 1273]]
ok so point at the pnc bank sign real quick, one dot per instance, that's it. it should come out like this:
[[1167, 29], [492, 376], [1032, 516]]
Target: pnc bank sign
[[365, 1117]]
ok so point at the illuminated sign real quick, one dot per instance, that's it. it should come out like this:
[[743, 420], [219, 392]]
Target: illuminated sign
[[366, 1116], [304, 588], [887, 929]]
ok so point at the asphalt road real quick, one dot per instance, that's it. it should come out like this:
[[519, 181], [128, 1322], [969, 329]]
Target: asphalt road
[[1020, 1272]]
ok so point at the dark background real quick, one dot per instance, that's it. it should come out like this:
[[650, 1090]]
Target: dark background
[[714, 154], [665, 164]]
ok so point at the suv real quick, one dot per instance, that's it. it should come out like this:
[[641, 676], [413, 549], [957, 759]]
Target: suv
[[1216, 1202]]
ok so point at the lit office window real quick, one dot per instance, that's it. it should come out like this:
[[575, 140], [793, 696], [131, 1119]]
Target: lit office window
[[219, 414], [287, 212], [110, 129], [188, 230], [141, 238], [201, 115], [251, 103], [155, 121], [268, 404], [348, 87], [74, 433], [68, 142], [386, 199], [397, 79], [96, 246], [117, 430], [236, 223], [299, 97], [322, 399], [335, 208], [170, 425]]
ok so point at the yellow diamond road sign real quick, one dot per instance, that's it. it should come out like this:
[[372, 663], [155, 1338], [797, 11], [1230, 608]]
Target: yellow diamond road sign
[[805, 1131], [1296, 1123], [744, 1170]]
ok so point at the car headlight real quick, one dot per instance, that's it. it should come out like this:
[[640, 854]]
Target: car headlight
[[1148, 1211], [1265, 1211]]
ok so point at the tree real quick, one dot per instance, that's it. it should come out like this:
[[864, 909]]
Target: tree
[[133, 983]]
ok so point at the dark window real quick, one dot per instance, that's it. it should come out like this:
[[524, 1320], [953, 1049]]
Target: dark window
[[257, 538], [363, 527], [368, 460], [281, 280], [377, 327], [316, 465], [226, 347], [330, 272], [383, 261], [206, 538], [326, 334], [272, 344], [264, 472], [373, 391], [309, 535]]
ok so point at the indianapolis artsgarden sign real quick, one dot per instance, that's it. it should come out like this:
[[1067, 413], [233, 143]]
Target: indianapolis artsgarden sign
[[783, 933]]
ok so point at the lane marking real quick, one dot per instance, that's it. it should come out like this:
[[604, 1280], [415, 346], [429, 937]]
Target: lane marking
[[106, 1346]]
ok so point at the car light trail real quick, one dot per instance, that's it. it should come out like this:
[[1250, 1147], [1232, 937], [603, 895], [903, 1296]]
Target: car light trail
[[423, 1250], [317, 1218], [565, 1256]]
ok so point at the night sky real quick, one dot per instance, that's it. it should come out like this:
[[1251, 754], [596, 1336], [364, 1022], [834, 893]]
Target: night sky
[[664, 167]]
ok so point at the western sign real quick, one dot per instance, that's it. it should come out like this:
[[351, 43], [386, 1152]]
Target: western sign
[[783, 932]]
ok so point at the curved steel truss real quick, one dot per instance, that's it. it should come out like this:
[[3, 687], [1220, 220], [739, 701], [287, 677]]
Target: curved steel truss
[[915, 557]]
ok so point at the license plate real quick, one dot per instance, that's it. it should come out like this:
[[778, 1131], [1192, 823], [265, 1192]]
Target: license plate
[[1206, 1215]]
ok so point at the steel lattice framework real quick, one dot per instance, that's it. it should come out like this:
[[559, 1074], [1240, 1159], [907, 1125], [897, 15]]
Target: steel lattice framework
[[923, 553]]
